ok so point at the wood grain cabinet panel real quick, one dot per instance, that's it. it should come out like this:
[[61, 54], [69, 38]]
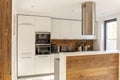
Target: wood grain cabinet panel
[[5, 39], [93, 67]]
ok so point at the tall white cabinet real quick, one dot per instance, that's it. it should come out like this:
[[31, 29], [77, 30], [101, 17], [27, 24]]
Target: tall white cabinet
[[28, 62], [26, 48]]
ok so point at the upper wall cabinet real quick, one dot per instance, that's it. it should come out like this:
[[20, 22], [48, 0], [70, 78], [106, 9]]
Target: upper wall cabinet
[[42, 24], [75, 27], [55, 29], [65, 29], [26, 20]]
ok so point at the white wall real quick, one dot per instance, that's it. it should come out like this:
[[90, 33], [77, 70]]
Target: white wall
[[99, 42], [118, 32]]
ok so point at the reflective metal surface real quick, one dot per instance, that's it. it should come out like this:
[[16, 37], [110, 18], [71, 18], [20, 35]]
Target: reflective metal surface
[[88, 18]]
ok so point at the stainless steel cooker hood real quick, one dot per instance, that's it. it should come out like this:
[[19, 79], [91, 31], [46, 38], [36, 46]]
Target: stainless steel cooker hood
[[88, 18]]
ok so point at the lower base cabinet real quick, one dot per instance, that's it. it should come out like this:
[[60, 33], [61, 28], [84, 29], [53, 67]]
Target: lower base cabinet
[[35, 65], [26, 65], [42, 64]]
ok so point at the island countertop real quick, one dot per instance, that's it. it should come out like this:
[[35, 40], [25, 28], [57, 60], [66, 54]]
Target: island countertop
[[87, 53], [63, 59]]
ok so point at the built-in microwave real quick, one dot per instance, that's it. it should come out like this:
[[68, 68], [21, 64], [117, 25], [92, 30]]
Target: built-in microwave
[[42, 43], [42, 37]]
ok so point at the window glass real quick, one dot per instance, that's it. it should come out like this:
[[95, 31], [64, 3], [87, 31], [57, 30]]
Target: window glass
[[111, 30], [111, 34]]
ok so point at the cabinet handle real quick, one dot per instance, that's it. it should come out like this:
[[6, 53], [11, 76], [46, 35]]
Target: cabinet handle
[[26, 57], [42, 56], [27, 24], [26, 53]]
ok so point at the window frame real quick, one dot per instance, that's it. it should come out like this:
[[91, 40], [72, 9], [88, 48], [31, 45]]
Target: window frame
[[105, 31]]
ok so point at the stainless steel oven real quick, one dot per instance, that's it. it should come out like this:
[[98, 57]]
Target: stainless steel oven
[[42, 49], [42, 43], [42, 37]]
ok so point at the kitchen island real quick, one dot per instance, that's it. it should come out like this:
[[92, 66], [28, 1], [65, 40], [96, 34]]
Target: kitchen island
[[93, 65]]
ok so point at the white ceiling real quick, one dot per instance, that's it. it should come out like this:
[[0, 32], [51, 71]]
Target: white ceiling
[[70, 9]]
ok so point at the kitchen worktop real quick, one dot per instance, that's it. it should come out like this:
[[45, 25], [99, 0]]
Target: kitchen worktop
[[87, 53], [64, 55], [77, 53]]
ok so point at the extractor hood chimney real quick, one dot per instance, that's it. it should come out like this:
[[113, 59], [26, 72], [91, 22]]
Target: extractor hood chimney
[[88, 18]]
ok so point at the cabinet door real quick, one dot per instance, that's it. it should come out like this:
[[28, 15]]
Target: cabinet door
[[26, 65], [42, 64], [52, 57], [65, 29], [43, 24], [55, 29], [75, 30], [26, 20], [26, 39], [26, 49]]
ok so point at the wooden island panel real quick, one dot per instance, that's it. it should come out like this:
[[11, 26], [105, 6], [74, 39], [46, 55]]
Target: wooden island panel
[[93, 67]]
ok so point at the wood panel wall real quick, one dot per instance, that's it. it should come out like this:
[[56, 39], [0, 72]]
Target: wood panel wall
[[94, 67], [72, 43], [5, 39]]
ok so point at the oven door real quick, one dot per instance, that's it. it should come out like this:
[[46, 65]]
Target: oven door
[[42, 38], [43, 49]]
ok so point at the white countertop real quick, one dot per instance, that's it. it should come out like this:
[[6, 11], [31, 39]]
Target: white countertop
[[87, 53]]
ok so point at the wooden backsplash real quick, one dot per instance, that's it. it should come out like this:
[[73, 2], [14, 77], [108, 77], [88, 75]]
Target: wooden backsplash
[[72, 43]]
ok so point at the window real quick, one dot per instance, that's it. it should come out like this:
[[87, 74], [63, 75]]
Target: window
[[110, 34]]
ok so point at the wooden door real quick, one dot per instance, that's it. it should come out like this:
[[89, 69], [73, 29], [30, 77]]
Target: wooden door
[[5, 39]]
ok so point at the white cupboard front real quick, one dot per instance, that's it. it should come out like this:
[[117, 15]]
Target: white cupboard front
[[26, 20], [55, 29], [65, 29], [42, 24], [26, 65], [42, 64], [52, 58], [26, 48], [75, 29]]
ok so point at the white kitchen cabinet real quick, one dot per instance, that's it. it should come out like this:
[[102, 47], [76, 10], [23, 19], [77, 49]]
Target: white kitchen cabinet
[[26, 39], [42, 64], [65, 29], [26, 20], [26, 45], [55, 29], [75, 29], [52, 57], [42, 24], [26, 65]]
